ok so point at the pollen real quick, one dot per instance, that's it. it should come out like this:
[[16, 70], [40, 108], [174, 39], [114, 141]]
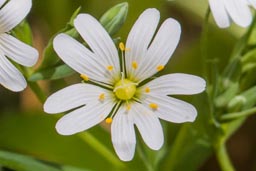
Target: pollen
[[153, 106], [101, 96], [109, 120], [160, 67], [110, 67], [134, 65], [147, 89], [122, 47], [84, 77]]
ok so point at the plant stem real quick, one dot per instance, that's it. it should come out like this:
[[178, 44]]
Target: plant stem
[[242, 43], [38, 91], [100, 148], [141, 152], [223, 158], [236, 115]]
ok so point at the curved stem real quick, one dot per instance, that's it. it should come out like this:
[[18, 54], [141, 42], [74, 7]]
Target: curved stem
[[144, 158], [223, 157], [101, 149], [237, 115]]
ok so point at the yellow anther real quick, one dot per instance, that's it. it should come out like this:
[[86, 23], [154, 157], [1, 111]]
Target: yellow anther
[[134, 65], [122, 47], [102, 96], [147, 89], [160, 67], [153, 106], [109, 120], [84, 77], [128, 107], [110, 67]]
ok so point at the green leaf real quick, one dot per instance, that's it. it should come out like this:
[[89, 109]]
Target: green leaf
[[114, 18], [49, 55], [23, 32], [58, 72], [50, 58], [71, 168], [23, 163]]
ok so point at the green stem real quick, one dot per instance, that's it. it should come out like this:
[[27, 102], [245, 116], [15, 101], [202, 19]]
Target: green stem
[[223, 157], [209, 73], [236, 115], [204, 42], [144, 158], [100, 148], [242, 43], [38, 91]]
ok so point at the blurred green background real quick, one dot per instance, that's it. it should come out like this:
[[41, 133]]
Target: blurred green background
[[25, 129]]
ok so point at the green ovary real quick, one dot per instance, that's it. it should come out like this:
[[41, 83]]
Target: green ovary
[[125, 89]]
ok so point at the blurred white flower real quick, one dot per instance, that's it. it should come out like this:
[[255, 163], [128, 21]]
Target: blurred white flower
[[124, 98], [11, 14], [238, 11]]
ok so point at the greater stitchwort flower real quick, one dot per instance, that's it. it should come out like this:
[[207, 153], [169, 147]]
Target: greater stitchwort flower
[[237, 10], [120, 92], [11, 14]]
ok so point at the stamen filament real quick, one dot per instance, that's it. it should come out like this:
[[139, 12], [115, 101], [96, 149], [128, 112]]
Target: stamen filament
[[116, 107]]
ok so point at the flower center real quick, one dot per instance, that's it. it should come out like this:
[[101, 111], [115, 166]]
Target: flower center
[[125, 89]]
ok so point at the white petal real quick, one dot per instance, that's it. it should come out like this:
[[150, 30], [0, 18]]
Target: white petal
[[81, 59], [73, 96], [171, 109], [148, 125], [13, 13], [123, 135], [176, 84], [18, 51], [99, 41], [2, 2], [219, 13], [10, 77], [84, 117], [139, 38], [161, 49], [239, 12]]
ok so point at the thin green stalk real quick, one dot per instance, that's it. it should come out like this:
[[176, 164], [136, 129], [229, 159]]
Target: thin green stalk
[[204, 42], [142, 155], [101, 149], [223, 157], [211, 75], [38, 91], [236, 115], [242, 43]]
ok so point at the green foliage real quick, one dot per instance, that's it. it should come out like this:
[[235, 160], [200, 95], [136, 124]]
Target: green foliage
[[114, 18], [23, 163]]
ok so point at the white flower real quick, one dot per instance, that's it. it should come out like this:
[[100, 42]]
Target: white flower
[[129, 101], [11, 14], [237, 10]]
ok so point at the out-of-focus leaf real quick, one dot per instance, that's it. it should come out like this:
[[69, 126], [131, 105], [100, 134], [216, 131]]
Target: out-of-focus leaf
[[71, 168], [20, 162], [114, 18], [58, 72], [50, 58], [23, 32]]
